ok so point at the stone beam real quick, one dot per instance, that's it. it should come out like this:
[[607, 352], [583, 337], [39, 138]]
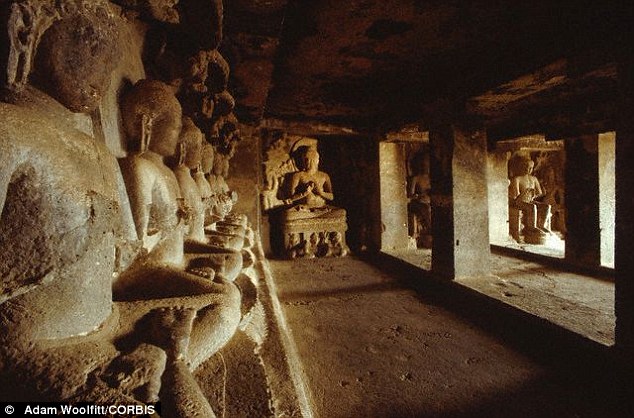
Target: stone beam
[[494, 101], [563, 99], [528, 143], [406, 135], [557, 121], [306, 128]]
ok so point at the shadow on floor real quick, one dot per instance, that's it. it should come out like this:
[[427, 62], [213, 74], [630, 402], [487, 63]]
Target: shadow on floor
[[372, 347], [533, 336]]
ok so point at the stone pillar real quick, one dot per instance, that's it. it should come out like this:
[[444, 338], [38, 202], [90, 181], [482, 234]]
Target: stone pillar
[[460, 224], [607, 190], [498, 192], [393, 177], [624, 236], [583, 237]]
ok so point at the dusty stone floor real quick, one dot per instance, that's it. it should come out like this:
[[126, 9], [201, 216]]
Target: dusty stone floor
[[554, 247], [370, 346], [579, 303]]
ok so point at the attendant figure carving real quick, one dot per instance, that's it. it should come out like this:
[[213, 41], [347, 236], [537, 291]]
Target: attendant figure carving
[[524, 192], [419, 207]]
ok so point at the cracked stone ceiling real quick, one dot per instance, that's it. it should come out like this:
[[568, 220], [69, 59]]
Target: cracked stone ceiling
[[379, 65]]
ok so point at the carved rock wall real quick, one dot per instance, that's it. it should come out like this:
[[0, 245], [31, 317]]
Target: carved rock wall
[[70, 222]]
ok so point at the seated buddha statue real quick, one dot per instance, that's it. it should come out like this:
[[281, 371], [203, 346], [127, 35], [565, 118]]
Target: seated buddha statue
[[202, 252], [306, 224], [310, 191], [204, 188]]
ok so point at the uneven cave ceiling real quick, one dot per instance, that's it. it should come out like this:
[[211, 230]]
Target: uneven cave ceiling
[[381, 64]]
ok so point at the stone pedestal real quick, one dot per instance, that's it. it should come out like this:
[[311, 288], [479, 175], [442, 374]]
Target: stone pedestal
[[308, 238]]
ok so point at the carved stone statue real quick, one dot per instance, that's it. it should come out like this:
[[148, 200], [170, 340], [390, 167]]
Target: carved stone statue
[[151, 115], [98, 302], [222, 228], [302, 217], [555, 197], [199, 242], [189, 158], [524, 189], [310, 191], [204, 188], [61, 217], [419, 207], [224, 197]]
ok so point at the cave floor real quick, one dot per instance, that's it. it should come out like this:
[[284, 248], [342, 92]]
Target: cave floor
[[580, 303], [371, 346]]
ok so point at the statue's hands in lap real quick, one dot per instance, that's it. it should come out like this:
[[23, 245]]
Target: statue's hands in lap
[[317, 189], [310, 186], [184, 211]]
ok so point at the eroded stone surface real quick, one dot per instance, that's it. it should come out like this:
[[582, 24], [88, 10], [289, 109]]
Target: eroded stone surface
[[98, 300]]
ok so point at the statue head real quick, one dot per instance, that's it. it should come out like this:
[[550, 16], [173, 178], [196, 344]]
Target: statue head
[[221, 164], [191, 142], [526, 166], [76, 57], [152, 117], [311, 160], [207, 161]]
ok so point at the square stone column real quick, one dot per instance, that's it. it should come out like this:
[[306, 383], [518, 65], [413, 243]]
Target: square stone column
[[583, 237], [393, 196], [624, 236], [607, 193], [460, 221], [498, 193]]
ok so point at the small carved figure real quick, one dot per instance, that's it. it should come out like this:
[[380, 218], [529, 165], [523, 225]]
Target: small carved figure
[[419, 207], [293, 247], [337, 247], [310, 245], [554, 196]]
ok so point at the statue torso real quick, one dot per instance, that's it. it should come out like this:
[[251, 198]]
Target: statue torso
[[59, 219]]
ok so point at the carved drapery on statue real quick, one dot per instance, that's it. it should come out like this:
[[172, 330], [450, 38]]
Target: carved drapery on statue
[[297, 197]]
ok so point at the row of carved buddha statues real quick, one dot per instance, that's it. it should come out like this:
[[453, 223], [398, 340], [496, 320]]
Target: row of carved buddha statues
[[119, 278]]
